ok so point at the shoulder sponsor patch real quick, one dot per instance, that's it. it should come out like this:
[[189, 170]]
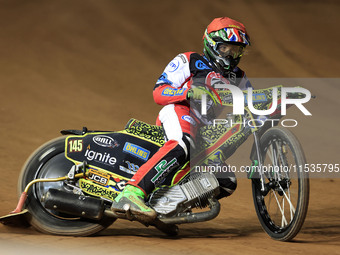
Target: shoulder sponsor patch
[[173, 65], [137, 151]]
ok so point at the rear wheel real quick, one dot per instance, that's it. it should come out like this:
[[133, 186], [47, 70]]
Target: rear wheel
[[49, 162], [282, 208]]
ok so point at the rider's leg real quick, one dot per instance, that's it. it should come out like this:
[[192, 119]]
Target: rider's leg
[[172, 155]]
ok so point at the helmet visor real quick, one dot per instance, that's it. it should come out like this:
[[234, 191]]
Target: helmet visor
[[226, 50]]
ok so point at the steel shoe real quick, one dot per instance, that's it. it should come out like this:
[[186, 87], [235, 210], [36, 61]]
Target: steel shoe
[[131, 204]]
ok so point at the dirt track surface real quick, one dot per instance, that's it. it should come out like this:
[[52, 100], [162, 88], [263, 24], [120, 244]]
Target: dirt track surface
[[68, 64]]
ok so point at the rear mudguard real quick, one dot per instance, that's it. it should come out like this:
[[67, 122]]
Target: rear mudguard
[[112, 157]]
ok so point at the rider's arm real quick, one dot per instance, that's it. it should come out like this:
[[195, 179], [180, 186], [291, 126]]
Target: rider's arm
[[169, 87]]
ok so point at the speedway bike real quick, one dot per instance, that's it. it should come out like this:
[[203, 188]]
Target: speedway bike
[[68, 184]]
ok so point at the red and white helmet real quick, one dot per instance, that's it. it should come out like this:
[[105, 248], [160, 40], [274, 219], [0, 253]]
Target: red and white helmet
[[224, 42]]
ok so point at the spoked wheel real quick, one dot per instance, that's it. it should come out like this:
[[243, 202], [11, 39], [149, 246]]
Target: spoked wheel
[[49, 162], [282, 207]]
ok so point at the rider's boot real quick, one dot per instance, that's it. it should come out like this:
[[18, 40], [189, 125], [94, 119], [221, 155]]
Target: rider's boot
[[131, 202]]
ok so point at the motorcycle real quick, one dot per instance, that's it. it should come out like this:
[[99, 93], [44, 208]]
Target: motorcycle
[[68, 184]]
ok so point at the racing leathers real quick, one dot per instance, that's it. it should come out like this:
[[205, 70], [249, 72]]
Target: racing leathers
[[179, 121]]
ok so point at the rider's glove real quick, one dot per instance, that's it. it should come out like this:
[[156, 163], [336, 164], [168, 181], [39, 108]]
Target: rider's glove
[[196, 93]]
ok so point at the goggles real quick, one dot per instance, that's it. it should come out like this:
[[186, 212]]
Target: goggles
[[227, 49]]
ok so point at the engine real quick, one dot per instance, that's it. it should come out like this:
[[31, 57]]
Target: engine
[[194, 192]]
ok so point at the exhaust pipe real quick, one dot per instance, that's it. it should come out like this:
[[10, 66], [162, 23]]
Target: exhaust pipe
[[73, 204]]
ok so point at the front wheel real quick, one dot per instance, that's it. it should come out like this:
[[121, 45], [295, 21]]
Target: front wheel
[[282, 207], [49, 162]]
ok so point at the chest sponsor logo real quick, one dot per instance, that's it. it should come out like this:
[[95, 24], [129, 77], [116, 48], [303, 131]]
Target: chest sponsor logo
[[136, 151], [216, 79]]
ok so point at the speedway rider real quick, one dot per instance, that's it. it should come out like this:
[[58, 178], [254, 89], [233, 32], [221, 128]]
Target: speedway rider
[[224, 42]]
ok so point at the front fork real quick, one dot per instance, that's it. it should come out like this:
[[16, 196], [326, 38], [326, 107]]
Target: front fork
[[257, 164]]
